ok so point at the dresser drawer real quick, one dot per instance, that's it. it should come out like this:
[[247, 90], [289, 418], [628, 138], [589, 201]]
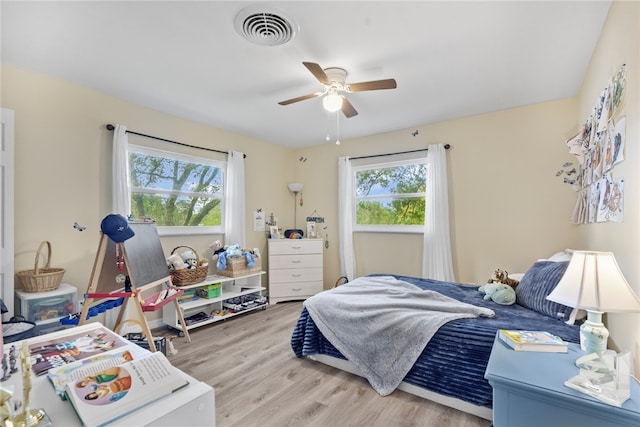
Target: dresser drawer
[[295, 246], [295, 261], [294, 290], [295, 275]]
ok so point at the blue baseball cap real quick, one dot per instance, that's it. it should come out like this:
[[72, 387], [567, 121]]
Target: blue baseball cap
[[117, 228]]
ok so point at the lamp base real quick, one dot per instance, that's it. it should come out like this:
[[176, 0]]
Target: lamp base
[[593, 334]]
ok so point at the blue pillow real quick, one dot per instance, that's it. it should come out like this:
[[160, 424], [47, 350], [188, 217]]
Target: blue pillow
[[538, 282]]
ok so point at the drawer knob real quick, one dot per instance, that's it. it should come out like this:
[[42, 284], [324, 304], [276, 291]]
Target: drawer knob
[[295, 261], [296, 275], [296, 289]]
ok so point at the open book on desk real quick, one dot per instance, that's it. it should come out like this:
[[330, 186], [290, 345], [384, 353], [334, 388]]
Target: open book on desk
[[68, 346], [60, 376], [108, 395]]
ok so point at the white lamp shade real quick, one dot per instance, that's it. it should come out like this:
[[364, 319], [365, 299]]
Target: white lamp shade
[[332, 102], [295, 187], [593, 281]]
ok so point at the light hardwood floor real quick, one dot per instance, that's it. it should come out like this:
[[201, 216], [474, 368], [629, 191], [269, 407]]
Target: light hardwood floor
[[258, 380]]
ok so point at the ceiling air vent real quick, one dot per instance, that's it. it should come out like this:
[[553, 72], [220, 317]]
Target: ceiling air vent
[[265, 25]]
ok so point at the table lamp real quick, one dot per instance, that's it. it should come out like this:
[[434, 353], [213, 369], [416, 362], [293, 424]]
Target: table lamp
[[593, 282]]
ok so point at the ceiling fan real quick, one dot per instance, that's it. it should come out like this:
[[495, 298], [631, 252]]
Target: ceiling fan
[[334, 81]]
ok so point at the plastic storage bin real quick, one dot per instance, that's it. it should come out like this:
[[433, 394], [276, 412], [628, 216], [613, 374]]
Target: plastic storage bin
[[47, 307], [210, 291]]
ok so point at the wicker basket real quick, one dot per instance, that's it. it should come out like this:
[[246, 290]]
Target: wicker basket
[[189, 276], [237, 266], [41, 279]]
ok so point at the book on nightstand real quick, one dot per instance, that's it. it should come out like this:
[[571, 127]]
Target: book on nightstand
[[533, 341], [101, 398]]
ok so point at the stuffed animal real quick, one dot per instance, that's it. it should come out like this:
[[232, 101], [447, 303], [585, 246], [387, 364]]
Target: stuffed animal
[[499, 293], [502, 276], [175, 262], [190, 259], [217, 248]]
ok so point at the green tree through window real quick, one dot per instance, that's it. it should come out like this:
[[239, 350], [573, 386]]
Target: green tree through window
[[175, 190], [391, 194]]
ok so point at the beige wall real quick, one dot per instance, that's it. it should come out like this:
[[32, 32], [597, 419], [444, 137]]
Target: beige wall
[[504, 193], [619, 44], [507, 206], [63, 157]]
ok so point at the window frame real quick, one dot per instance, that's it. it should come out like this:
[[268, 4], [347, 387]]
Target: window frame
[[386, 228], [191, 230]]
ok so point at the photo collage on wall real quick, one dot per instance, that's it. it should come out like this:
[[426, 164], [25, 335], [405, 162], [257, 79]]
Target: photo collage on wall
[[598, 146]]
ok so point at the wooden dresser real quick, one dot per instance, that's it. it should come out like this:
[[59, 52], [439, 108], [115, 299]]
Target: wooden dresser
[[295, 269]]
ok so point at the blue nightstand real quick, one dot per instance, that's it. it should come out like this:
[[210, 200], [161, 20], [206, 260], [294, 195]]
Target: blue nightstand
[[529, 390]]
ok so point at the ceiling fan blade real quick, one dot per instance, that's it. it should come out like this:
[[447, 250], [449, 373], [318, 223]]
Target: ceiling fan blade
[[347, 108], [372, 85], [300, 98], [318, 72]]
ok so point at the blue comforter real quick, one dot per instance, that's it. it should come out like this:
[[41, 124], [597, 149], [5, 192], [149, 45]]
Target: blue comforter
[[454, 361]]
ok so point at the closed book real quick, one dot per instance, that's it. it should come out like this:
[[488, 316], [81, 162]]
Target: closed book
[[103, 397], [533, 341]]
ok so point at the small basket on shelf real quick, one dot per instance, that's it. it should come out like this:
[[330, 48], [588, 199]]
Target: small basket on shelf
[[41, 279], [237, 266], [190, 276]]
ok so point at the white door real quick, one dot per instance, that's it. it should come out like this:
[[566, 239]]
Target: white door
[[6, 201]]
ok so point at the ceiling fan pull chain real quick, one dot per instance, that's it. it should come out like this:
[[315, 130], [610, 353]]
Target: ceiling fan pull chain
[[328, 137]]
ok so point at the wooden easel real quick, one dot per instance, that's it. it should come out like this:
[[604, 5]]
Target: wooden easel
[[146, 268]]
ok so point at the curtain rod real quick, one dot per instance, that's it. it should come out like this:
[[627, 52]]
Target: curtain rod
[[446, 147], [112, 127]]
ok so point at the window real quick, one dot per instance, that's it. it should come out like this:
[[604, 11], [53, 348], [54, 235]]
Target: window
[[183, 194], [390, 196]]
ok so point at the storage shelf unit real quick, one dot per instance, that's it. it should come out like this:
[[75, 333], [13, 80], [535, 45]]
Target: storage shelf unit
[[247, 287]]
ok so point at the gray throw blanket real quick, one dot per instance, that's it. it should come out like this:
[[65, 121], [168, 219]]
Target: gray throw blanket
[[381, 324]]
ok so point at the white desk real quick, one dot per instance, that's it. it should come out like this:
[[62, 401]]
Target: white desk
[[193, 405]]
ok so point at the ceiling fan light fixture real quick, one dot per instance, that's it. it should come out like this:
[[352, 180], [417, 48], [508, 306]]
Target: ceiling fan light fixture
[[332, 102]]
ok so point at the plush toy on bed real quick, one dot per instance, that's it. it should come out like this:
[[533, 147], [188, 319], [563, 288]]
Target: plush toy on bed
[[502, 276], [499, 293]]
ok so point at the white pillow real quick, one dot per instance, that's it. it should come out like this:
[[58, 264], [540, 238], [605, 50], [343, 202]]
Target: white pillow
[[559, 256]]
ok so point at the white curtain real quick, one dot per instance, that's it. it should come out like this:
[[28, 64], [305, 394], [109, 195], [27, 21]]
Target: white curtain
[[121, 204], [234, 218], [121, 182], [436, 261], [345, 215]]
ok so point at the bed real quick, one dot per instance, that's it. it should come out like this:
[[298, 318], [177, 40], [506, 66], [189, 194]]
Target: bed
[[451, 365]]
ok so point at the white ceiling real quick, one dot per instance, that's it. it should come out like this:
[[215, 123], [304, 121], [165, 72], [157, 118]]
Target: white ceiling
[[450, 59]]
